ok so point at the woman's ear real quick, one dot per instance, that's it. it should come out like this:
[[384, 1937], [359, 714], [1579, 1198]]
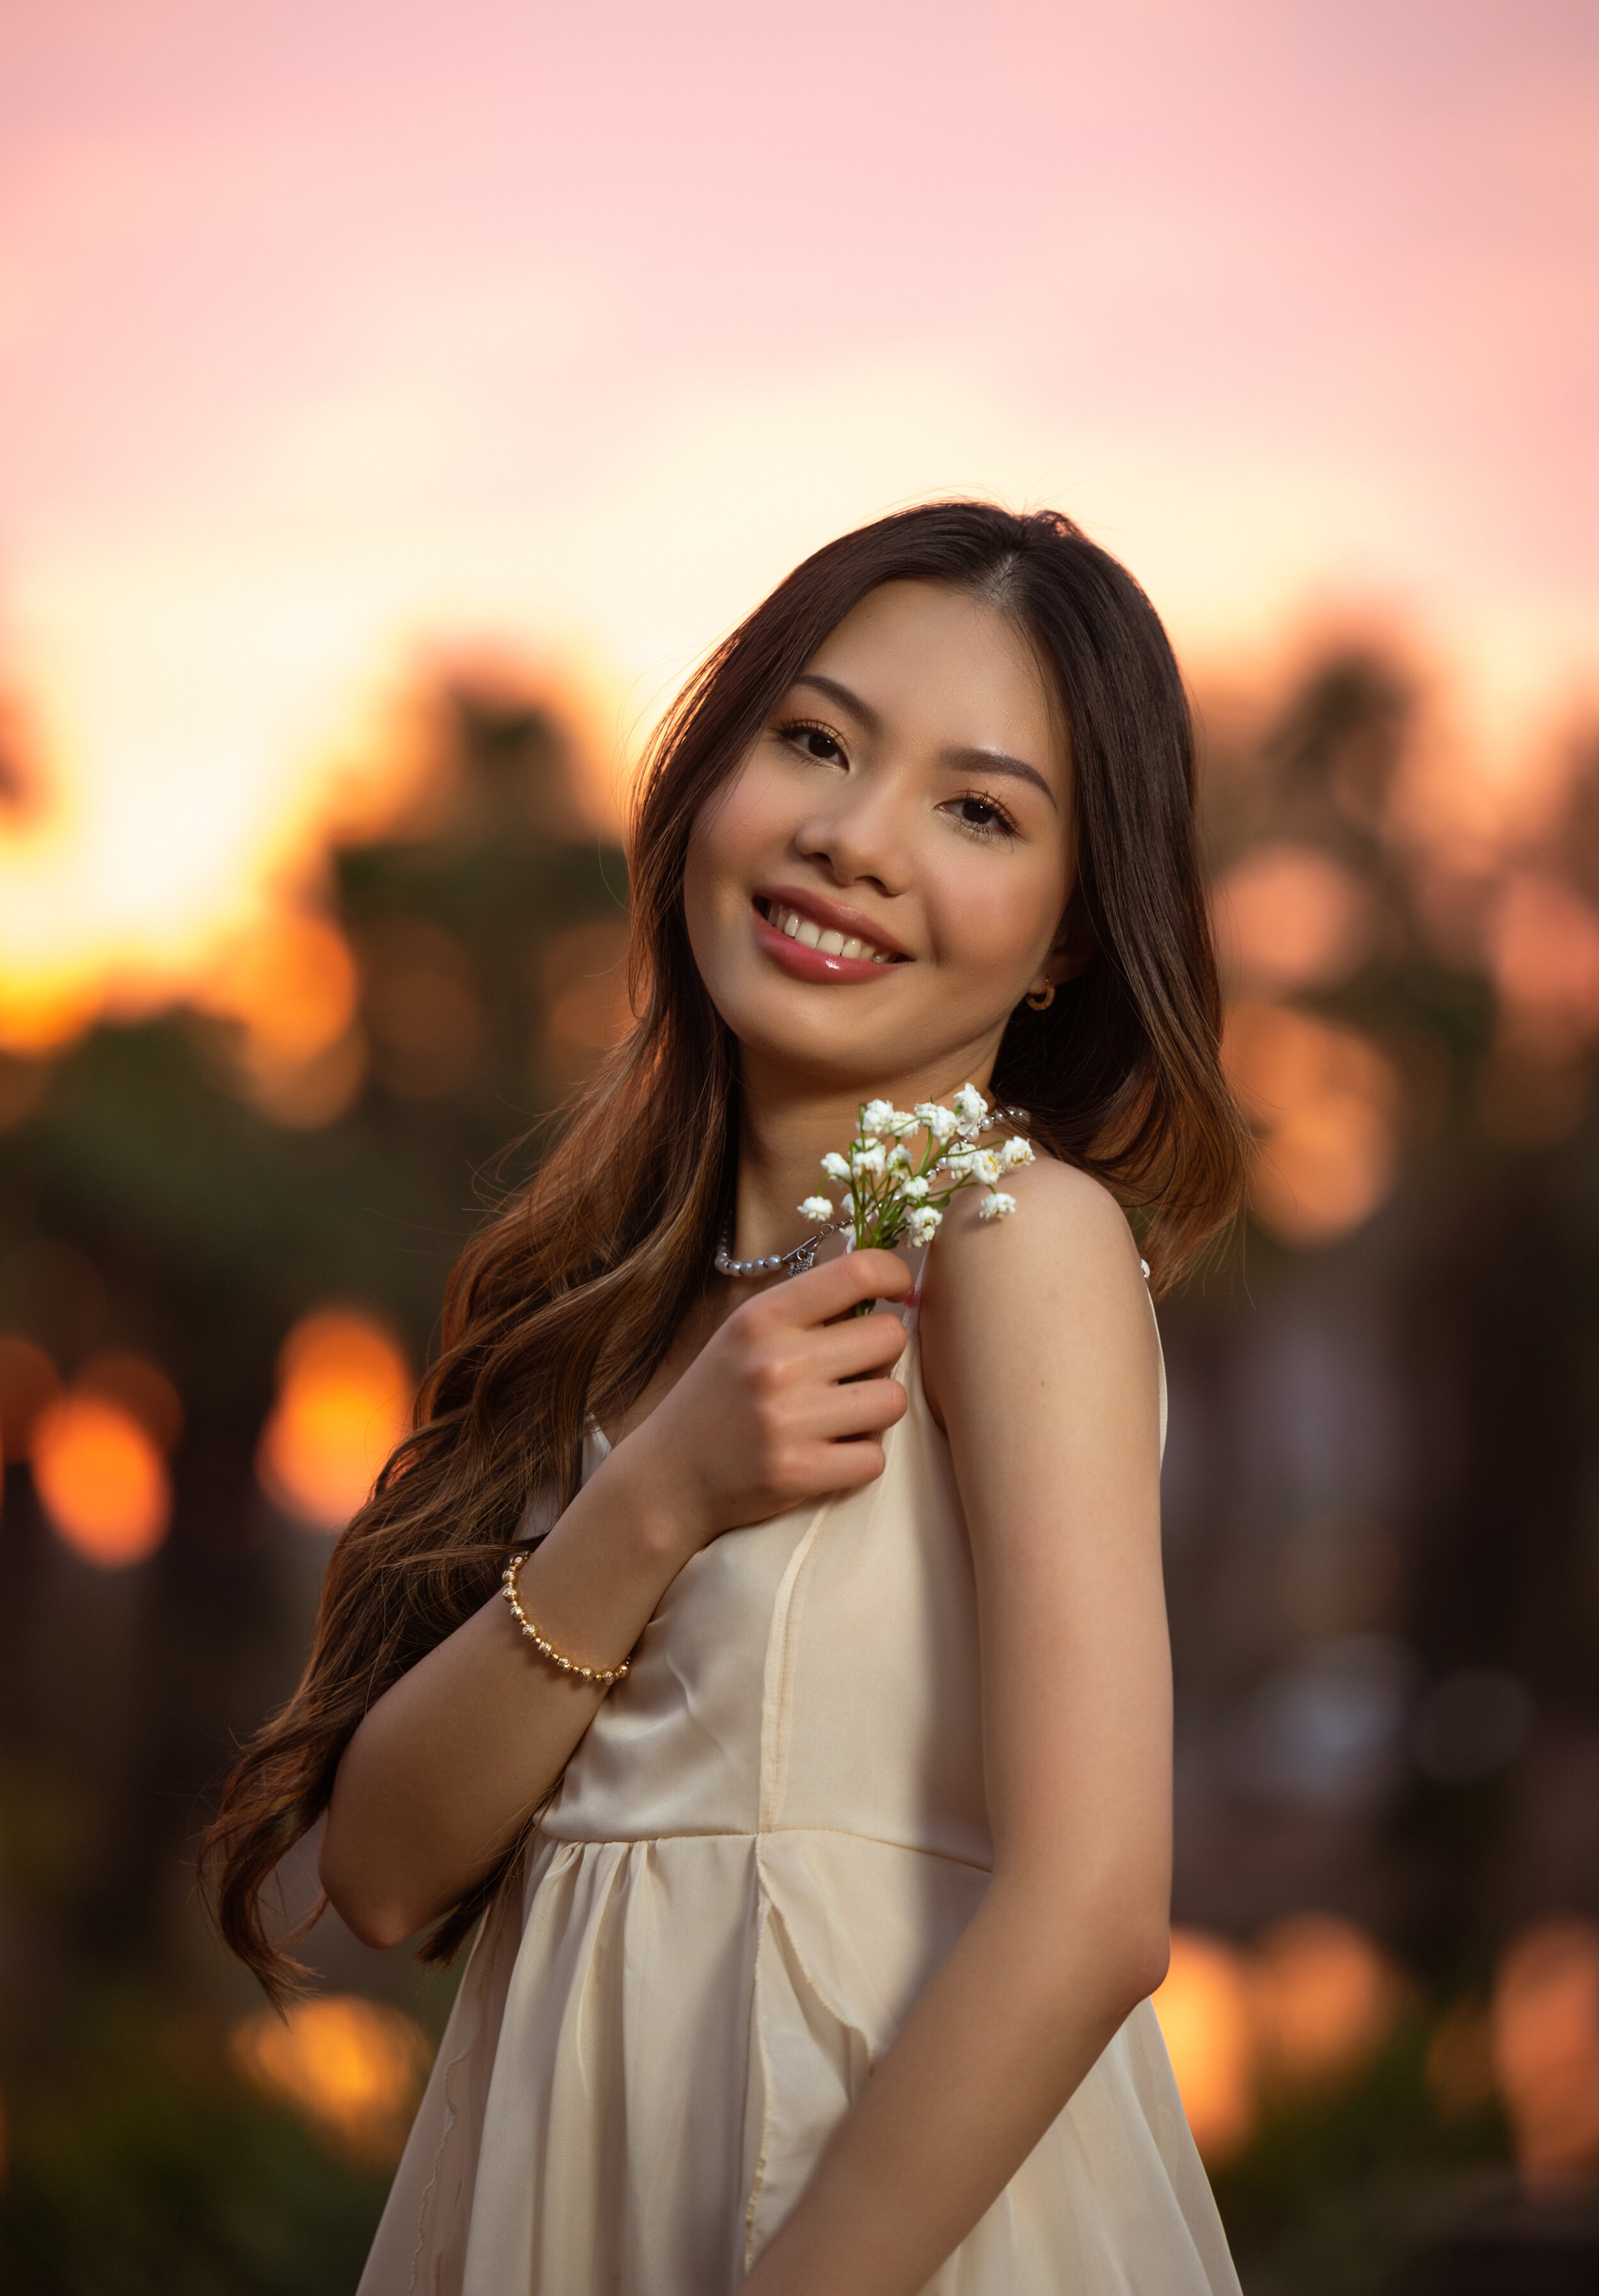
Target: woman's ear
[[1076, 942]]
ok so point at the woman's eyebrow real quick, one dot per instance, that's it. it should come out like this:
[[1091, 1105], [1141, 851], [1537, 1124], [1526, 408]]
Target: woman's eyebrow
[[996, 761], [841, 694]]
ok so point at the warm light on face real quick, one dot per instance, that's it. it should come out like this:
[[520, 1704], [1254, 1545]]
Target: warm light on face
[[344, 1394], [102, 1480], [868, 789], [353, 2067]]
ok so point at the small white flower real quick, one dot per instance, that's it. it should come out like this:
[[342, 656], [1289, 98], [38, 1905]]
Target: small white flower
[[886, 1195], [942, 1122]]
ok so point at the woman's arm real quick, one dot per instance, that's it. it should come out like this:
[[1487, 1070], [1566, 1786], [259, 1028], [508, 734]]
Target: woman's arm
[[1039, 1354], [781, 1405]]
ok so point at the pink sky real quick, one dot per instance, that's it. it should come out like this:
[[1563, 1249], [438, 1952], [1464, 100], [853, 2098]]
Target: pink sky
[[329, 333]]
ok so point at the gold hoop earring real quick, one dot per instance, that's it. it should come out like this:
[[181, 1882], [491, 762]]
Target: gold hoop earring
[[1041, 1002]]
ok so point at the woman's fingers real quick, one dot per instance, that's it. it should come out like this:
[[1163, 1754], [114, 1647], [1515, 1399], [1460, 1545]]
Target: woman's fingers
[[860, 1344], [866, 1406], [835, 1287], [847, 1466]]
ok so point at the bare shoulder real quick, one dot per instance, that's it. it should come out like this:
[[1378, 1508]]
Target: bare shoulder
[[1067, 1231], [1059, 1275]]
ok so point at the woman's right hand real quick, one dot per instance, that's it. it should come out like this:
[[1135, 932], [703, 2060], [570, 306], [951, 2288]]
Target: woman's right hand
[[786, 1402]]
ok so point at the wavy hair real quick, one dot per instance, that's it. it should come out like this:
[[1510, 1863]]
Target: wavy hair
[[568, 1298]]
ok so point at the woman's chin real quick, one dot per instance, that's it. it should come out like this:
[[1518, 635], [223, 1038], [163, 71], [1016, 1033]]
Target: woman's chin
[[857, 1062]]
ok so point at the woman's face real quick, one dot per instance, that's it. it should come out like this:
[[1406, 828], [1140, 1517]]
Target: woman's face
[[885, 875]]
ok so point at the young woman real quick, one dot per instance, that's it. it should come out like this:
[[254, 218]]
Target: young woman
[[818, 1919]]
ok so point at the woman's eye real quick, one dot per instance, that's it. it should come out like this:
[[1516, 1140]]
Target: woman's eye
[[816, 741], [983, 816]]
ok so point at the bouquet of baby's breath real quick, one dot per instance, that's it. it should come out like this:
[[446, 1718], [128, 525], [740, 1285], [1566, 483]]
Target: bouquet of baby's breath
[[889, 1194]]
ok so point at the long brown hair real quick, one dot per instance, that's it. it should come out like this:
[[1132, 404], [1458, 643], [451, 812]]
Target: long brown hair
[[567, 1300]]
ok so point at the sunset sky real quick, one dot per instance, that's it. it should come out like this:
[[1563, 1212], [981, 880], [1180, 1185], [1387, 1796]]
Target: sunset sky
[[334, 338]]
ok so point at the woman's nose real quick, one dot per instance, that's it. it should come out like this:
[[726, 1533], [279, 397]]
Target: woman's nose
[[862, 837]]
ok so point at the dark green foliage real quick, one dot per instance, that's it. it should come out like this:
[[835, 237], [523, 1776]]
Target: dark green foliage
[[1338, 2191], [138, 2168]]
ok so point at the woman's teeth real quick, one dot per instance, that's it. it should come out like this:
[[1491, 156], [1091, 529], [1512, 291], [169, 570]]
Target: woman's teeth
[[810, 935]]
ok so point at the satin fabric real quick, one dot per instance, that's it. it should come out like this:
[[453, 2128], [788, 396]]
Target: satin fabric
[[770, 1836]]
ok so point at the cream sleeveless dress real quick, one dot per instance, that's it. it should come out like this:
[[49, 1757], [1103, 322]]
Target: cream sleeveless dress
[[770, 1836]]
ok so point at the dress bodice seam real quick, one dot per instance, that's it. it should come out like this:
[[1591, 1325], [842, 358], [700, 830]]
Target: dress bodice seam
[[758, 1834]]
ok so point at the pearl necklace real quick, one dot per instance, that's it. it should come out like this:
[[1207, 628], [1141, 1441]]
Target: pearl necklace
[[798, 1262]]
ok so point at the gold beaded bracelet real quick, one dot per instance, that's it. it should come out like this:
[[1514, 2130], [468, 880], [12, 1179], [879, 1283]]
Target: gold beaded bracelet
[[601, 1680]]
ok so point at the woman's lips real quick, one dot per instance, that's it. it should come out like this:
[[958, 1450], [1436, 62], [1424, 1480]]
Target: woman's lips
[[813, 952]]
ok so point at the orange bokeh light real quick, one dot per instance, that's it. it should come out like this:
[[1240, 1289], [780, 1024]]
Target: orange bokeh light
[[1325, 1102], [43, 1009], [1325, 1999], [1206, 2019], [344, 1396], [353, 2067], [293, 985], [101, 1478], [1545, 2046], [584, 981], [1544, 947], [1289, 916], [1307, 2006]]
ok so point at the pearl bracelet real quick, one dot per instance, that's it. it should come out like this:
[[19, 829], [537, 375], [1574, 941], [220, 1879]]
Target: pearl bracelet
[[601, 1680]]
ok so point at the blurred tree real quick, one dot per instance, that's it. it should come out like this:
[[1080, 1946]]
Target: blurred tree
[[201, 1228], [1383, 1482]]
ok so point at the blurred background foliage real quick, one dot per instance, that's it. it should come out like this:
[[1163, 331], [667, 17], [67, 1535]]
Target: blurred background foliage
[[224, 1234]]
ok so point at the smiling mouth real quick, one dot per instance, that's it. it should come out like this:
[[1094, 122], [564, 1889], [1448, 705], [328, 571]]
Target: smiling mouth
[[822, 938]]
